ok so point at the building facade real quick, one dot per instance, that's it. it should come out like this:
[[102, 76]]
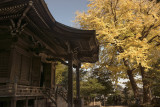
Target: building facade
[[31, 41]]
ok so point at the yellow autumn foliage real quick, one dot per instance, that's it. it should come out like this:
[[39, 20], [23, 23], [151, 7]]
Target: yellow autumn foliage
[[132, 27]]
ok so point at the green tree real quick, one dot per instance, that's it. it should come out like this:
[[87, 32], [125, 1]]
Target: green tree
[[154, 77], [103, 77], [91, 88], [61, 74]]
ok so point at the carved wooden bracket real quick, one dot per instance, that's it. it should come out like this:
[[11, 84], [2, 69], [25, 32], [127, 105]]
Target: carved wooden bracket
[[17, 27], [37, 46]]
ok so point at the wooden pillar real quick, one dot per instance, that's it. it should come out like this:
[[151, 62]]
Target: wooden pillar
[[78, 99], [77, 83], [53, 76], [13, 102], [35, 102], [26, 102], [70, 83]]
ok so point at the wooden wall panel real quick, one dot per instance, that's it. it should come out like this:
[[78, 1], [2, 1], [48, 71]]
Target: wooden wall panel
[[5, 43], [4, 62], [36, 71], [17, 65], [25, 69], [4, 58]]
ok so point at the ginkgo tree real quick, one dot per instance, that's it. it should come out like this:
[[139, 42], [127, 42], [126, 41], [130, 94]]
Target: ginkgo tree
[[131, 28]]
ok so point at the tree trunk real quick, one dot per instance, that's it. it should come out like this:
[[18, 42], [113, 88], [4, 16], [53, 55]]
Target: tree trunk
[[146, 87], [131, 78], [133, 83]]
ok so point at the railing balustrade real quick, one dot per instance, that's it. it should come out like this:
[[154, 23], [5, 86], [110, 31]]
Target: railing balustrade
[[20, 90], [13, 90], [62, 92], [7, 90]]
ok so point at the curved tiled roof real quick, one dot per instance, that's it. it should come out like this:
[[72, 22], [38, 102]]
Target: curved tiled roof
[[54, 35]]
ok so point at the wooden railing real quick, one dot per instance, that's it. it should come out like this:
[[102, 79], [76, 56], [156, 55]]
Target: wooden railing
[[7, 90], [20, 90], [13, 90], [50, 93], [29, 91], [62, 92]]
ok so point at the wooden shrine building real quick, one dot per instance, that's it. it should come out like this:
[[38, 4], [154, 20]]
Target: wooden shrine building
[[31, 41]]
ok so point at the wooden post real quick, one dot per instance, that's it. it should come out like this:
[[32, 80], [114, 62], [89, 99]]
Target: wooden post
[[78, 104], [26, 105], [70, 83], [35, 102], [15, 88], [53, 75], [13, 102], [77, 82]]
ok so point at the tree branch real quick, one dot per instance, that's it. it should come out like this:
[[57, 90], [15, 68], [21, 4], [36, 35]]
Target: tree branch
[[151, 40], [146, 32]]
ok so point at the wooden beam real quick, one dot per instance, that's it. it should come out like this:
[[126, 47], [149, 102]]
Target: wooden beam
[[57, 59]]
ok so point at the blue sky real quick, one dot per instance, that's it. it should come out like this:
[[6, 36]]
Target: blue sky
[[64, 10]]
